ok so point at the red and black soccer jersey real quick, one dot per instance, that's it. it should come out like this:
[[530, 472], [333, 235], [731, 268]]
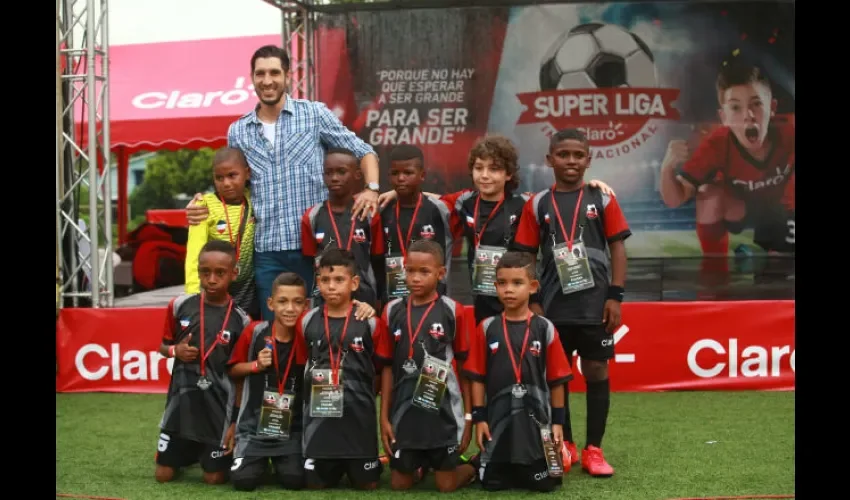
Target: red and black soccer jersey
[[432, 222], [603, 222], [252, 341], [496, 229], [720, 157], [354, 435], [191, 413], [363, 238], [516, 436], [443, 336]]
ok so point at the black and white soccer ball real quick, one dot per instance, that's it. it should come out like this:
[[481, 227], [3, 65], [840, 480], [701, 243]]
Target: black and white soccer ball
[[596, 55]]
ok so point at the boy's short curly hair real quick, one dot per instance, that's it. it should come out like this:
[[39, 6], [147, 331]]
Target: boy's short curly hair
[[502, 152]]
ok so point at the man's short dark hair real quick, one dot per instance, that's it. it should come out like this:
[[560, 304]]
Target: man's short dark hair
[[568, 134], [518, 260], [288, 279], [219, 246], [267, 51], [338, 257], [405, 152], [429, 247]]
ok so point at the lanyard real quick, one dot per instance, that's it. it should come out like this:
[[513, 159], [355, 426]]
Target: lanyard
[[206, 355], [336, 362], [477, 234], [281, 382], [410, 333], [517, 365], [403, 243], [568, 237], [238, 242], [336, 229]]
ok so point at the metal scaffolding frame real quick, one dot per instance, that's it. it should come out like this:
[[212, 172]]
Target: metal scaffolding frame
[[298, 19], [84, 277]]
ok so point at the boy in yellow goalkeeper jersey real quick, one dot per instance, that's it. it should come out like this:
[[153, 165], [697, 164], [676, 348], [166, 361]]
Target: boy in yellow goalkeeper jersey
[[231, 219]]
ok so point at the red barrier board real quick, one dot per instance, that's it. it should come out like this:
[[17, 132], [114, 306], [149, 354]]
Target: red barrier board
[[661, 346]]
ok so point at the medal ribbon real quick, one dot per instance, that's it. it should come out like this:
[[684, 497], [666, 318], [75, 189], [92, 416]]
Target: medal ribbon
[[477, 234], [403, 243], [335, 363], [281, 381], [238, 241], [517, 366], [206, 355], [336, 229], [410, 333], [568, 237]]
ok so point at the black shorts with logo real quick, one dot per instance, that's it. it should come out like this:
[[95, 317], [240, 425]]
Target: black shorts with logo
[[327, 472], [501, 476], [175, 452], [445, 458], [590, 341], [249, 471]]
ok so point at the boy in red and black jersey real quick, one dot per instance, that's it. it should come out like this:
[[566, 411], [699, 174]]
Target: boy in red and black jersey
[[340, 436], [580, 233], [421, 390], [200, 333], [330, 225], [517, 365]]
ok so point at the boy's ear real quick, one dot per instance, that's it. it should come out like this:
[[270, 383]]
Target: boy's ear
[[358, 173], [355, 283], [534, 286]]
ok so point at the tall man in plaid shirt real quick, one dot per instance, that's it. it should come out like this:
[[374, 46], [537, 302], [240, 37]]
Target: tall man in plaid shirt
[[284, 140]]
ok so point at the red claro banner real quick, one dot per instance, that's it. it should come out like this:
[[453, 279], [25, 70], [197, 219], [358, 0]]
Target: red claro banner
[[747, 345]]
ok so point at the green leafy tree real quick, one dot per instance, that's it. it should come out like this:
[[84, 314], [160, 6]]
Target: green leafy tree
[[170, 174]]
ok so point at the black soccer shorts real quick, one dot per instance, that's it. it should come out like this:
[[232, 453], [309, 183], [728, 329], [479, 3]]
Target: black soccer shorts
[[501, 476], [442, 459], [175, 452], [247, 472], [591, 342], [328, 472]]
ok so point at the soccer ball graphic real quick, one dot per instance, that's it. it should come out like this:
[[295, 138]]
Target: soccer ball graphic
[[597, 55]]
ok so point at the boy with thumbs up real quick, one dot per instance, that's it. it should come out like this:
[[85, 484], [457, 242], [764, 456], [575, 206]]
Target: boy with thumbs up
[[200, 332]]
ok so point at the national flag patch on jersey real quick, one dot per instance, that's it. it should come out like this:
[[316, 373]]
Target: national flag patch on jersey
[[320, 237], [546, 218], [184, 323], [397, 333], [494, 346], [470, 220], [221, 226]]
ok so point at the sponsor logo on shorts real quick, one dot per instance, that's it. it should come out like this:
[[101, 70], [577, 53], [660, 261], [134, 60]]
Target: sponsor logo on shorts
[[372, 465]]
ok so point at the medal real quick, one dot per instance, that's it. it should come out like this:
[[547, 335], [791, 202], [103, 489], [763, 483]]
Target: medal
[[519, 391], [409, 366], [204, 383]]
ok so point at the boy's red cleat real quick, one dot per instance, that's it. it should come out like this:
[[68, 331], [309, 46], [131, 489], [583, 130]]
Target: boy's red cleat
[[593, 461], [569, 450]]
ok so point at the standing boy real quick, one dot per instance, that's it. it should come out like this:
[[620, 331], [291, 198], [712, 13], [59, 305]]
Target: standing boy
[[425, 407], [410, 217], [331, 225], [576, 293], [340, 435], [518, 371], [200, 332], [229, 218]]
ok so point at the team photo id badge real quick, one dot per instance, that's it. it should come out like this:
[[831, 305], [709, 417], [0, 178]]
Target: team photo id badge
[[553, 455], [325, 397], [276, 414], [396, 286], [431, 385], [573, 267], [484, 269]]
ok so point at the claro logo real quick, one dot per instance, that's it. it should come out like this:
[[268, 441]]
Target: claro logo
[[708, 358], [94, 362], [618, 357], [191, 100]]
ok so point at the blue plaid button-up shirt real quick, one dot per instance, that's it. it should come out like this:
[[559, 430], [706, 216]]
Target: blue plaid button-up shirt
[[287, 178]]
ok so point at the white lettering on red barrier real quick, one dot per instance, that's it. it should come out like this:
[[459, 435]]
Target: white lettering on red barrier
[[754, 360], [132, 365], [192, 100]]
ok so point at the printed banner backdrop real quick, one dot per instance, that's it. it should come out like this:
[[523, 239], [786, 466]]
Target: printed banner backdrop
[[634, 76], [747, 345]]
